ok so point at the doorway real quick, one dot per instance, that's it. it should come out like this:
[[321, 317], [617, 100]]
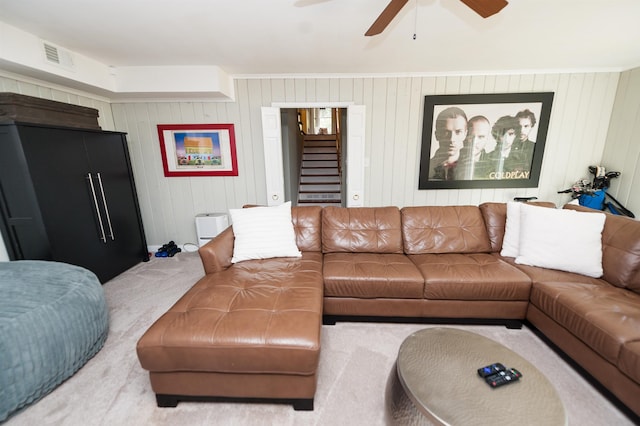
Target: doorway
[[313, 147], [282, 122]]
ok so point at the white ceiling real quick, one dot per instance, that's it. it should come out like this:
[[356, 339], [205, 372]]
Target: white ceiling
[[327, 36]]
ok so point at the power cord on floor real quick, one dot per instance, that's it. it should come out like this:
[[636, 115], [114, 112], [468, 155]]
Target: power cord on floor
[[193, 247]]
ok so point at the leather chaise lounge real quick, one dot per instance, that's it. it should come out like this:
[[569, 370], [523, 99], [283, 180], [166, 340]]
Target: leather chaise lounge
[[251, 329], [247, 330]]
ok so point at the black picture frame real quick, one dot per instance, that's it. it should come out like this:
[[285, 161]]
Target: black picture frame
[[516, 166]]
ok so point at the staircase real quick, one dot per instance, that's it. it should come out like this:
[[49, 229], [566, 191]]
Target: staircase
[[320, 174]]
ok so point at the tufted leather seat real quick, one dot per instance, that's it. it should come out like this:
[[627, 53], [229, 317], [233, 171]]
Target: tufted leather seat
[[597, 321], [247, 330], [478, 276], [363, 255], [243, 320], [450, 246], [602, 316], [371, 275], [427, 261]]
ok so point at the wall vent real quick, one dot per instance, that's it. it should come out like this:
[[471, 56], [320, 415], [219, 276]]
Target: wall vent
[[57, 56]]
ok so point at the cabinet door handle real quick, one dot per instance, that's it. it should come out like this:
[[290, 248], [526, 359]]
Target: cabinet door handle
[[95, 202], [106, 207]]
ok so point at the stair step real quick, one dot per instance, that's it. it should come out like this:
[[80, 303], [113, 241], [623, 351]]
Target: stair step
[[319, 188], [320, 150], [308, 143], [326, 136], [316, 164], [322, 198], [319, 157], [313, 203], [328, 171], [320, 179]]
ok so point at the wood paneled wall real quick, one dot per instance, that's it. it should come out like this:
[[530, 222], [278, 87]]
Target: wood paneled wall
[[622, 149], [394, 107]]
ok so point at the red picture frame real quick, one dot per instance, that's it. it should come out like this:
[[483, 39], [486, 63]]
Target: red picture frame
[[198, 149]]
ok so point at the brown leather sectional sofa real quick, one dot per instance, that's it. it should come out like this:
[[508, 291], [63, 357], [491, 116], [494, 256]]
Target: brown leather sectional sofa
[[251, 329]]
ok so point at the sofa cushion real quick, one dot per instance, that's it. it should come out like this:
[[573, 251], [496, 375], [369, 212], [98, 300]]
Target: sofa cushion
[[511, 240], [361, 230], [561, 239], [620, 249], [263, 233], [371, 275], [543, 274], [495, 219], [307, 224], [602, 316], [444, 229], [495, 214], [257, 316], [479, 276]]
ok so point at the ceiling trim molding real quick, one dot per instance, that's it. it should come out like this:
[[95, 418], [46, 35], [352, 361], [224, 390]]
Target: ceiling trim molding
[[312, 104], [430, 74]]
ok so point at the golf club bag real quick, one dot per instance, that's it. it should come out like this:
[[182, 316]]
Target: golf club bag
[[594, 194]]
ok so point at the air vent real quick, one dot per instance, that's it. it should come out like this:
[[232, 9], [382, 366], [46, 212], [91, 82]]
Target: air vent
[[57, 56], [52, 53]]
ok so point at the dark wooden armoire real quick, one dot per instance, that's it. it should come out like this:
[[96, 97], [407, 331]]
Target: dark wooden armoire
[[67, 191]]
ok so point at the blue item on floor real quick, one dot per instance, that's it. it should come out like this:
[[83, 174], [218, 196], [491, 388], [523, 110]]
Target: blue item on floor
[[594, 201], [168, 250]]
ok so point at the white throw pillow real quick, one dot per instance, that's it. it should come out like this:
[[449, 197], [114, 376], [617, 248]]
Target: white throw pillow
[[567, 240], [263, 233], [511, 240]]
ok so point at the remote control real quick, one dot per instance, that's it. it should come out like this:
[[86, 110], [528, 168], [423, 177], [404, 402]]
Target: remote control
[[503, 378], [490, 370]]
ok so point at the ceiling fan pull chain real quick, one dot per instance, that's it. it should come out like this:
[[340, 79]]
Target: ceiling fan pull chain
[[415, 23]]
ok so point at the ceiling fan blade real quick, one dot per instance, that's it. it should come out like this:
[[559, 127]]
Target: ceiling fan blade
[[386, 17], [486, 8]]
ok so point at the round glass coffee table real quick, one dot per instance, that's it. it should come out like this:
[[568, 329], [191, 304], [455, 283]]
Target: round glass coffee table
[[436, 382]]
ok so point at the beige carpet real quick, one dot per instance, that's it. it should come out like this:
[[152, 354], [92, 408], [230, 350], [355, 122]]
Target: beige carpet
[[356, 358]]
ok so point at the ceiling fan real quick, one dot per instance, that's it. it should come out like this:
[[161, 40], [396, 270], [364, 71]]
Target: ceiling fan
[[484, 8]]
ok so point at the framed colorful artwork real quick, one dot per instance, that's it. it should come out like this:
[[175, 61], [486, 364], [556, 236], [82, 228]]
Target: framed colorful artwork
[[198, 149]]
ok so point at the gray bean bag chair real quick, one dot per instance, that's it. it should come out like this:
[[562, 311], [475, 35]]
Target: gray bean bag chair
[[53, 319]]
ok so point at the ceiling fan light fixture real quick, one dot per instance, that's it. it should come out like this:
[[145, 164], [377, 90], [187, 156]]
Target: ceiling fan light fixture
[[486, 8], [386, 17]]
